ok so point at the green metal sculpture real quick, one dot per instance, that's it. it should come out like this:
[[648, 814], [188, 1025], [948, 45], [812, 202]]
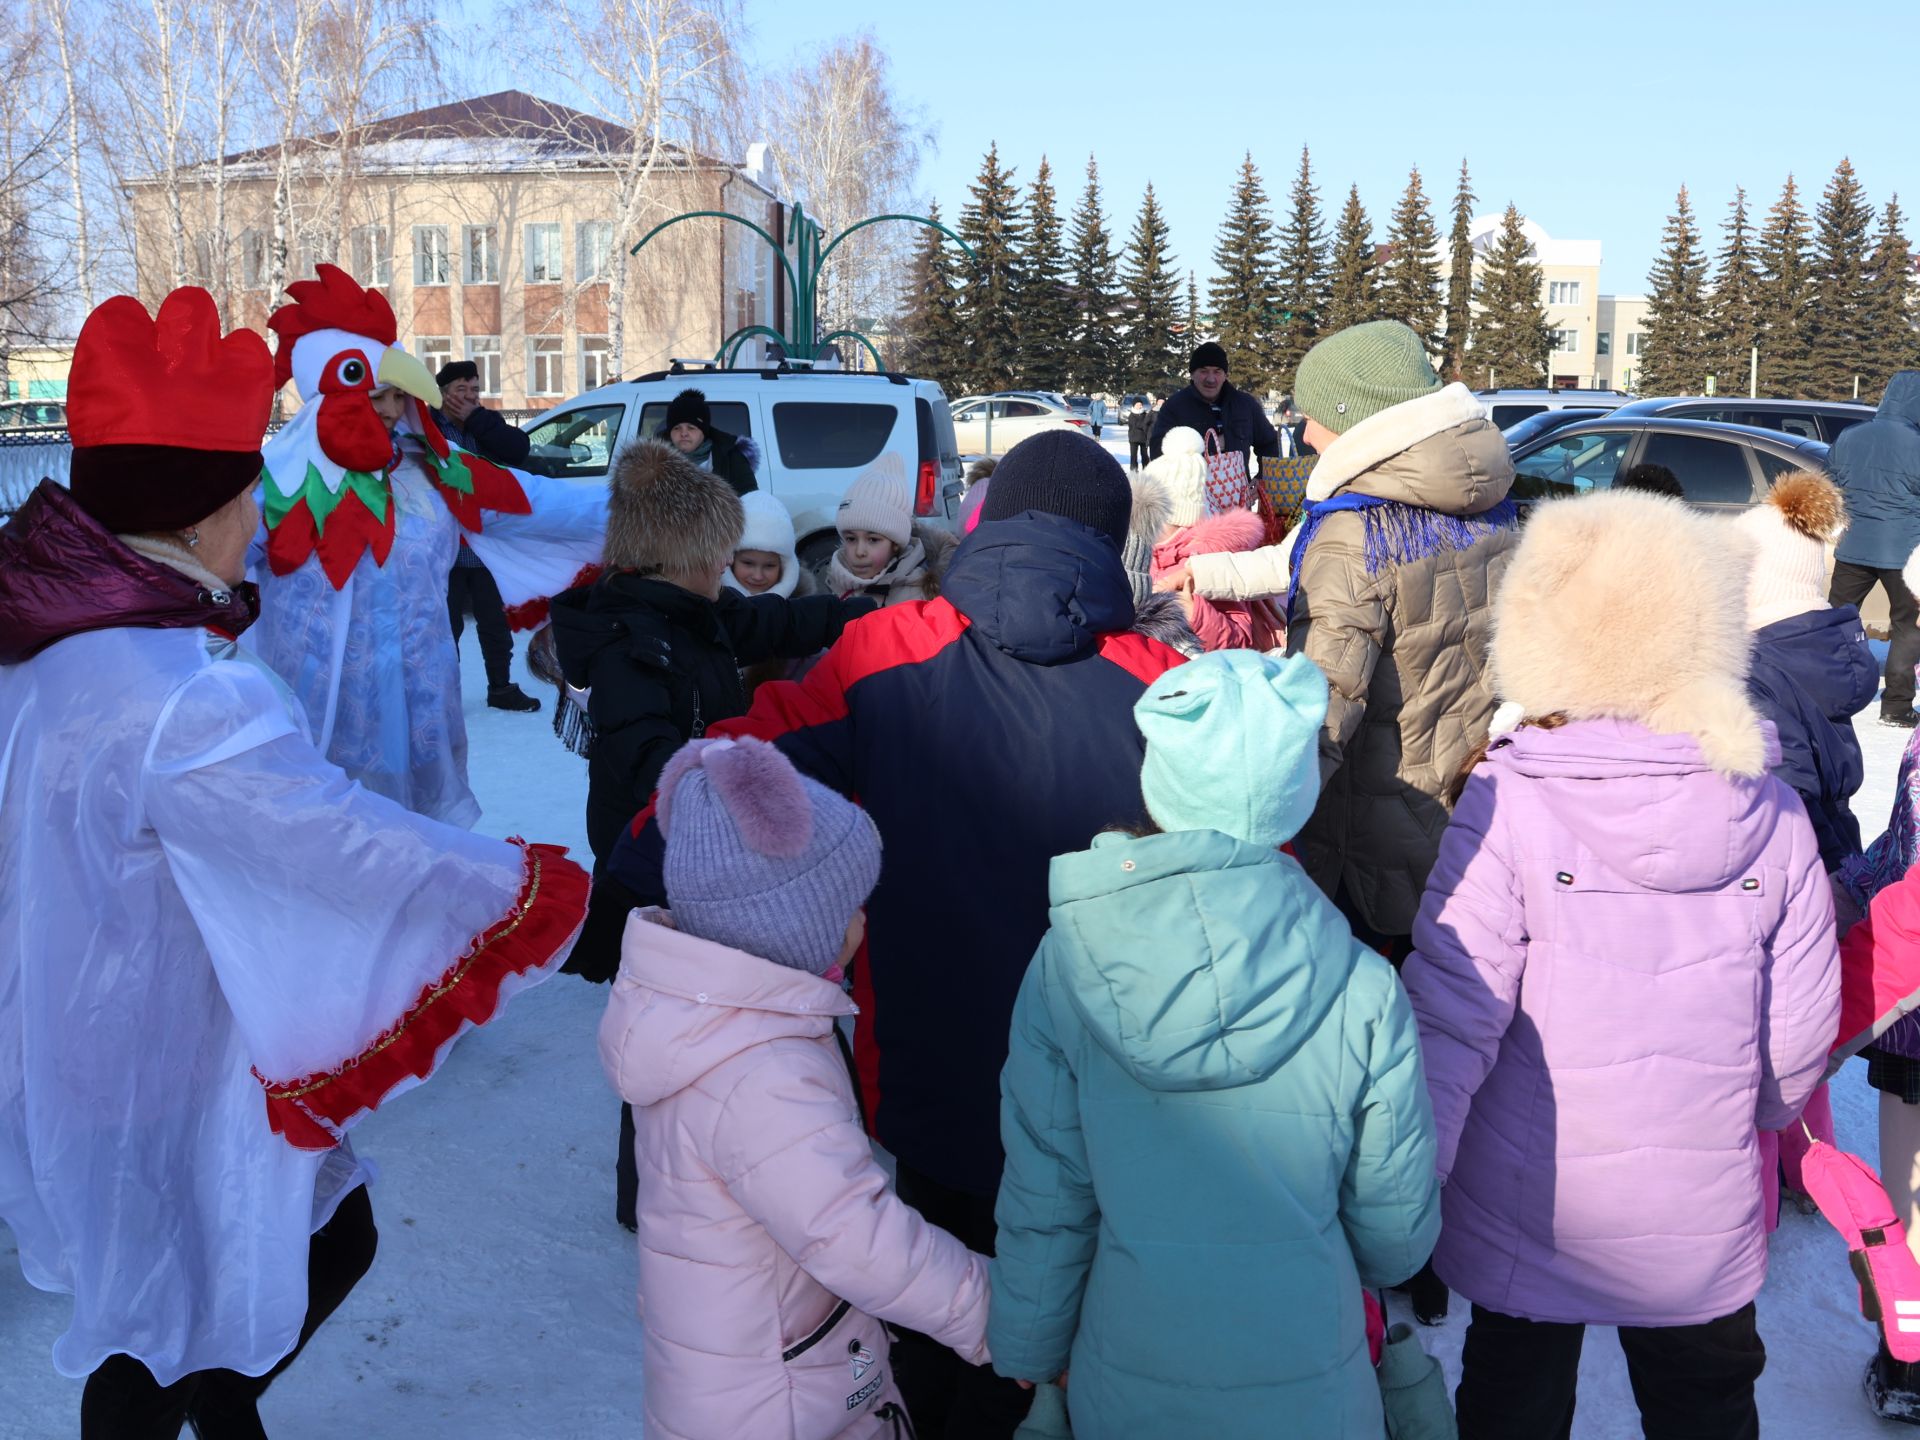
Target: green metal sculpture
[[803, 276]]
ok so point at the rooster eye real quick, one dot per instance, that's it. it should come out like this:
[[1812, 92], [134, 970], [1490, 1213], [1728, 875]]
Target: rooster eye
[[353, 370]]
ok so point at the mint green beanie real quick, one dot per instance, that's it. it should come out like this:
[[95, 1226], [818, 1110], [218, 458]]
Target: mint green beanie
[[1233, 744], [1360, 371]]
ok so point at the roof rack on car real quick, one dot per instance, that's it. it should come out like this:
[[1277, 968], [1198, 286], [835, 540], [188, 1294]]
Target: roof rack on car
[[788, 368]]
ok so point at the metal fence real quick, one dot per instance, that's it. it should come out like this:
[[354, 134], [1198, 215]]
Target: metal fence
[[26, 458]]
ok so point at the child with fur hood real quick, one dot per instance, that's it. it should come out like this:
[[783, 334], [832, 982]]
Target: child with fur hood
[[1170, 505], [883, 552], [771, 1243], [1607, 1024]]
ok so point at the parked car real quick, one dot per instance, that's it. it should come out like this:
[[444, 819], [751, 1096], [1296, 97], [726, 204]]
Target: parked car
[[1545, 423], [33, 415], [1509, 407], [1813, 419], [1719, 467], [1014, 417], [816, 430]]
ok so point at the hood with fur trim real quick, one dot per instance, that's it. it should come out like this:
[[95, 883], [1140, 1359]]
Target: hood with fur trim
[[1440, 452], [665, 515], [1630, 606]]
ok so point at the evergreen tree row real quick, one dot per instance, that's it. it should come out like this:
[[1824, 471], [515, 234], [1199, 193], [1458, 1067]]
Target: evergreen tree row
[[1805, 308]]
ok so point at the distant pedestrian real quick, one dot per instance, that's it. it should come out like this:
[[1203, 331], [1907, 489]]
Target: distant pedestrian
[[689, 428], [1292, 431], [1097, 413], [1211, 403], [1139, 430], [1877, 467]]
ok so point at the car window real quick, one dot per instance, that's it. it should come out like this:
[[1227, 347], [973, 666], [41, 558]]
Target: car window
[[830, 435], [576, 444], [732, 416], [1571, 465], [1505, 415], [1022, 409], [1836, 423], [1775, 466], [972, 412], [1805, 426], [1711, 472]]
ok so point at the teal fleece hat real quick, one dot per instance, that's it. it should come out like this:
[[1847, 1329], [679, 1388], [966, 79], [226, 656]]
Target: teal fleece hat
[[1233, 744]]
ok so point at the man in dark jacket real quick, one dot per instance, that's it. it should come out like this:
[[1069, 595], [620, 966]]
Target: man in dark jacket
[[1211, 403], [1139, 431], [1877, 467], [657, 642], [472, 426], [986, 732], [689, 428]]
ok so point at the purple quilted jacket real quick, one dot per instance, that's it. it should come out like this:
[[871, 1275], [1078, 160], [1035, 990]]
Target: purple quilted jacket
[[1625, 965]]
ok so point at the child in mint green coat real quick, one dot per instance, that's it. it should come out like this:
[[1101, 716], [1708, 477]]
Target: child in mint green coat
[[1216, 1123]]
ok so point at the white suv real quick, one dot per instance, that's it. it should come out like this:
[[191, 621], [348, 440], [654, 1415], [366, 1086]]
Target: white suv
[[815, 431]]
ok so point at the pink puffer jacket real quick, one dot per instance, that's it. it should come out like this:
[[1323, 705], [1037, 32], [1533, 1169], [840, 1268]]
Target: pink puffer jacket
[[771, 1245], [1223, 624]]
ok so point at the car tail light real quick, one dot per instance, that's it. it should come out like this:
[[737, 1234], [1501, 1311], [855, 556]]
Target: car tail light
[[927, 488], [1081, 423]]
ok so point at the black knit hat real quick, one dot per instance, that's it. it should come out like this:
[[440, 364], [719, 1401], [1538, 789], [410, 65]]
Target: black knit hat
[[1065, 473], [456, 370], [1207, 352], [689, 407]]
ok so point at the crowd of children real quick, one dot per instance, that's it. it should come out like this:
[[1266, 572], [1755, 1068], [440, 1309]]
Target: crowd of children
[[1224, 1117]]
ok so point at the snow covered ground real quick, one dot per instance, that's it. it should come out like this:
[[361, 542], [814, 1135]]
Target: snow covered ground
[[501, 1305]]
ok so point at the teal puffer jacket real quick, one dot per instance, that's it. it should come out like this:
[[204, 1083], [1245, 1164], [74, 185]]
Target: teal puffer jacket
[[1217, 1130]]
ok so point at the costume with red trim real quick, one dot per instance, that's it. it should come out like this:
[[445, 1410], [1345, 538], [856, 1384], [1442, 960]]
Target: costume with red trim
[[216, 951], [986, 732], [361, 530]]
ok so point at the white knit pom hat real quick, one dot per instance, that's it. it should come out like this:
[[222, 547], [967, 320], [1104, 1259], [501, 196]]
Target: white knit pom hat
[[1790, 531], [769, 528], [1182, 473], [879, 501]]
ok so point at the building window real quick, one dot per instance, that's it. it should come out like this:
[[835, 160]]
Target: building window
[[482, 246], [436, 351], [596, 361], [431, 263], [372, 256], [316, 249], [253, 259], [596, 250], [1634, 341], [1563, 292], [545, 364], [484, 351], [203, 259], [1565, 342], [543, 254], [1603, 342]]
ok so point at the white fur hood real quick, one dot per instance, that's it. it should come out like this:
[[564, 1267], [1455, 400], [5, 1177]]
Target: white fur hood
[[1440, 451]]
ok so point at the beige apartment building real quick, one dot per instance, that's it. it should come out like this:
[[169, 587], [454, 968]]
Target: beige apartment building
[[491, 225], [1570, 294], [1623, 333]]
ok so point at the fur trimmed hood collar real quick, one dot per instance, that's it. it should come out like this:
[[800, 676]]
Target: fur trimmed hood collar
[[1440, 452], [1629, 606]]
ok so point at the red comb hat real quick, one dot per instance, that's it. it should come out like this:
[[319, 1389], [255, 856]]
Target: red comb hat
[[336, 301], [166, 413]]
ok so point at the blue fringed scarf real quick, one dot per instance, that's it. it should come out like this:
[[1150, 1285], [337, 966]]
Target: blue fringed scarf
[[1398, 533]]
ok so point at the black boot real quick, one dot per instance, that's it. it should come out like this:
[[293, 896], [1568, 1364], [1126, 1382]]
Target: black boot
[[1901, 717], [1427, 1294], [511, 697], [1893, 1388]]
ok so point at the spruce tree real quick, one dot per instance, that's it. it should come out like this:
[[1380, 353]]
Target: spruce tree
[[1893, 343], [1410, 280], [1453, 362], [1096, 361], [990, 304], [1242, 290], [1047, 301], [1838, 337], [1302, 290], [1510, 339], [1678, 349], [1151, 283], [1784, 297], [931, 314], [1735, 322], [1353, 291]]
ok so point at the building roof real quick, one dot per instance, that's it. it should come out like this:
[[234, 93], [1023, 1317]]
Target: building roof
[[508, 131], [1546, 249]]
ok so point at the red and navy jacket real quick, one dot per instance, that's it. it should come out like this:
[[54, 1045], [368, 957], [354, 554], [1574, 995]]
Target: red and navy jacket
[[986, 732]]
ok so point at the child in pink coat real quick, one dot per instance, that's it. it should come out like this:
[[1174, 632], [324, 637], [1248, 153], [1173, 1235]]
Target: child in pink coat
[[771, 1244], [1170, 507]]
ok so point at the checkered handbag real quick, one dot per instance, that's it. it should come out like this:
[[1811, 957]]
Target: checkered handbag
[[1227, 486], [1283, 492]]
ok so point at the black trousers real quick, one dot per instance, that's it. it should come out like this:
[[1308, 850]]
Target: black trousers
[[123, 1401], [1692, 1382], [1852, 584], [948, 1398], [1136, 454], [471, 588]]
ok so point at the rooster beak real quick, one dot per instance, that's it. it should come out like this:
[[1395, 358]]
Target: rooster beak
[[401, 370]]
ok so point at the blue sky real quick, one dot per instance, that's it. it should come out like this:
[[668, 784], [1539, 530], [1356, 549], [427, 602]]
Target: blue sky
[[1588, 117]]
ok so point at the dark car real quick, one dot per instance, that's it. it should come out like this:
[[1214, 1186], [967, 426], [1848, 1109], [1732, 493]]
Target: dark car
[[1812, 419], [1545, 423], [1720, 467]]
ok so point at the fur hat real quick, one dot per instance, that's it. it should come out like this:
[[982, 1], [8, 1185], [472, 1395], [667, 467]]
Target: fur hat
[[879, 501], [769, 528], [1791, 529], [1182, 470], [664, 513], [1629, 605], [689, 407]]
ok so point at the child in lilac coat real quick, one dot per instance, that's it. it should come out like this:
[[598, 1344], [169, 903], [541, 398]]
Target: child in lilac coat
[[1624, 966]]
